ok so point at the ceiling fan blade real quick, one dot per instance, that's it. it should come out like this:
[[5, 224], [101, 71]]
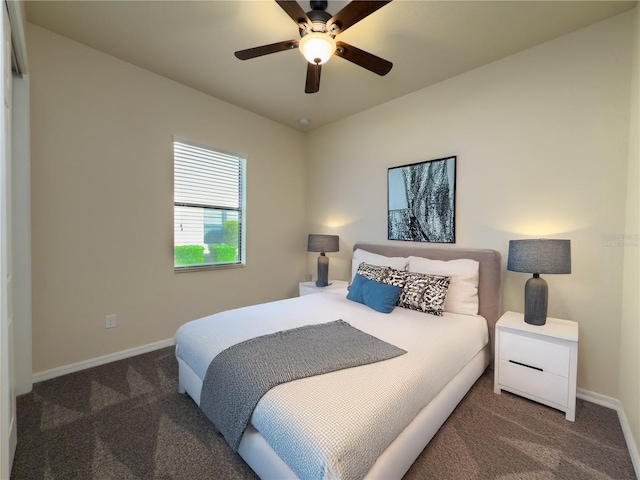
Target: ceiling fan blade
[[266, 49], [313, 78], [364, 59], [353, 13], [295, 11]]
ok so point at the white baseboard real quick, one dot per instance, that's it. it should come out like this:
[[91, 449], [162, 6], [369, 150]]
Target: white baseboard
[[599, 399], [615, 404], [631, 445], [94, 362]]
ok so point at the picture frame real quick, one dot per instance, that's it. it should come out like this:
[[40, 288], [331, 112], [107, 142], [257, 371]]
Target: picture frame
[[421, 201]]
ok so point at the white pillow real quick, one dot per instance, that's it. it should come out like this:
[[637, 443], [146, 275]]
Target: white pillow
[[359, 256], [463, 290]]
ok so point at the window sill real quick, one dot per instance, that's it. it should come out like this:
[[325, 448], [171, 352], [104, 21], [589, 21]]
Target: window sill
[[200, 268]]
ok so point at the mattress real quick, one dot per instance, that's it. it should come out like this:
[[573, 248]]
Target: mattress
[[336, 425]]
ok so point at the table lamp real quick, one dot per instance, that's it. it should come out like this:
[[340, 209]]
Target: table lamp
[[322, 244], [538, 256]]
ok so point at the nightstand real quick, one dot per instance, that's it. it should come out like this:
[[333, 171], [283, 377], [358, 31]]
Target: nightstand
[[307, 288], [539, 362]]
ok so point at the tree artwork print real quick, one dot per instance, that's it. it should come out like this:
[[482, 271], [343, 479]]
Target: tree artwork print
[[421, 201]]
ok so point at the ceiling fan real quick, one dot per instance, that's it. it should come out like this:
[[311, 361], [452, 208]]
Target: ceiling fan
[[317, 43]]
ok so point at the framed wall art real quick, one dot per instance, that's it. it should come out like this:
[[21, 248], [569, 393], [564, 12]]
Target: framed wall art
[[421, 201]]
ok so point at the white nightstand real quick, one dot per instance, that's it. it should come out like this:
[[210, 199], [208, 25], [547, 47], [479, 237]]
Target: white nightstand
[[538, 362], [307, 288]]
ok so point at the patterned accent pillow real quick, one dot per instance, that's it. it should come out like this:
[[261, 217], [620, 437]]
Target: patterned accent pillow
[[462, 296], [425, 293], [397, 278], [373, 272]]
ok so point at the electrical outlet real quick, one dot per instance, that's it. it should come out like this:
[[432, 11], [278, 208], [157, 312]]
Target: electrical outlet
[[110, 321]]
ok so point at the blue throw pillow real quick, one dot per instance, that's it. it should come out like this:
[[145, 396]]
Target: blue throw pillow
[[379, 296]]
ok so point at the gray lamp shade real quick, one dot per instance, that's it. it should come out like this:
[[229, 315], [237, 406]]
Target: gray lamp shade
[[323, 243], [538, 256], [541, 255]]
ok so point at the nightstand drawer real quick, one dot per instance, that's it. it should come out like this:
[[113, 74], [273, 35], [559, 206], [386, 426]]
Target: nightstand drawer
[[550, 356], [526, 381]]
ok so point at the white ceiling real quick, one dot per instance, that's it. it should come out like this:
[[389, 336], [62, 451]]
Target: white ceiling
[[192, 42]]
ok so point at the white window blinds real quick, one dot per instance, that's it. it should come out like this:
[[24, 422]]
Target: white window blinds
[[209, 193]]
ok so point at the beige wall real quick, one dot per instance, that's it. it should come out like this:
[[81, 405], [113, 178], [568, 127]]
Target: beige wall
[[103, 204], [630, 326], [541, 140]]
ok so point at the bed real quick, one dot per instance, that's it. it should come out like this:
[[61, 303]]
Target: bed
[[369, 421]]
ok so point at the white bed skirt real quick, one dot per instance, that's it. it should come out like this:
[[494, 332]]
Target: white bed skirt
[[394, 462]]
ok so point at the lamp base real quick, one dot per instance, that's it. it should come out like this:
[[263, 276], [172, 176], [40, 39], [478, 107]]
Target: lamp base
[[535, 300], [323, 271]]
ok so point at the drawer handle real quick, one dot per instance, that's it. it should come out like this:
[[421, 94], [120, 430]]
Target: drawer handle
[[525, 365]]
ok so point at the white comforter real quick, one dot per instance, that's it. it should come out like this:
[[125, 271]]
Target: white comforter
[[336, 425]]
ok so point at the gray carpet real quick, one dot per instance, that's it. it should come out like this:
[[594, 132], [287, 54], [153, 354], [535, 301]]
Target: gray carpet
[[126, 421]]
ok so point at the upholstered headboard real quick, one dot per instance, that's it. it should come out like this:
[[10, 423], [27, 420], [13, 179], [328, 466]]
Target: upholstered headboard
[[490, 270]]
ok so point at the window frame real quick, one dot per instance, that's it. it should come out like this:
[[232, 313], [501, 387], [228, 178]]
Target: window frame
[[241, 210]]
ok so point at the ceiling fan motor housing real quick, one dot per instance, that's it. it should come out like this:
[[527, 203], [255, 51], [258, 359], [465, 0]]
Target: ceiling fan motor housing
[[319, 4], [318, 16]]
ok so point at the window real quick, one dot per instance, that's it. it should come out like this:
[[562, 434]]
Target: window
[[209, 202]]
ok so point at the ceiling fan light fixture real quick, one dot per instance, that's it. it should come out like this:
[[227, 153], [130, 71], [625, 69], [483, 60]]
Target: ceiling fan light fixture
[[317, 43], [317, 47]]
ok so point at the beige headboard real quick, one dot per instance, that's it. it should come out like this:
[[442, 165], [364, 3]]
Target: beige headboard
[[490, 270]]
